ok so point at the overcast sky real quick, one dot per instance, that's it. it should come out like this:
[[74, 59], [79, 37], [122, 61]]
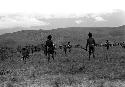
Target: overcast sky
[[28, 13]]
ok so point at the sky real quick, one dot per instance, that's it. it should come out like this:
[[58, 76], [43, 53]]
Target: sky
[[27, 13]]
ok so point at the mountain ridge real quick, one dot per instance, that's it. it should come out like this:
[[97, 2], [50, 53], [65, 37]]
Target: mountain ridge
[[62, 35]]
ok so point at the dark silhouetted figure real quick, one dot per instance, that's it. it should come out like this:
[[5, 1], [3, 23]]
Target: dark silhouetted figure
[[69, 46], [2, 53], [91, 45], [49, 47], [32, 49], [19, 49], [25, 54], [122, 45], [107, 45], [65, 49]]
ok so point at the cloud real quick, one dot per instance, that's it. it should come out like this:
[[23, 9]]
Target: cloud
[[10, 21], [98, 19], [78, 21], [114, 18]]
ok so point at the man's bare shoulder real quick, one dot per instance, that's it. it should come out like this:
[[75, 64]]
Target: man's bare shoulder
[[90, 39]]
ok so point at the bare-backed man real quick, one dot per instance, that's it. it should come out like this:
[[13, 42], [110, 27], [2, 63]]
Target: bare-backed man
[[91, 45], [49, 47]]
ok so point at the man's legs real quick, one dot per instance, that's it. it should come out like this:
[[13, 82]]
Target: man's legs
[[48, 57], [53, 56], [70, 50], [24, 57], [89, 52], [65, 50], [93, 51]]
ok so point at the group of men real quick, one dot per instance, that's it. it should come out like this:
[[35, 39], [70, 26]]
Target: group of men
[[28, 49], [50, 48], [90, 46]]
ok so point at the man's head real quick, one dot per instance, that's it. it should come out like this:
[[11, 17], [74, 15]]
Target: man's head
[[49, 37], [68, 42], [90, 34]]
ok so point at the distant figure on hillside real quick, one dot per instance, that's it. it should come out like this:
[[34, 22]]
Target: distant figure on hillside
[[49, 47], [32, 49], [91, 45], [69, 46], [25, 54], [65, 49], [122, 44], [19, 49], [2, 53], [107, 44]]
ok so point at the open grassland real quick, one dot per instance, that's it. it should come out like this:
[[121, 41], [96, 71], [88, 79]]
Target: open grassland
[[107, 69]]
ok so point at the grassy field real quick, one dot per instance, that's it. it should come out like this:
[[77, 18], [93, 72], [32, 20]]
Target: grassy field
[[107, 69], [71, 70]]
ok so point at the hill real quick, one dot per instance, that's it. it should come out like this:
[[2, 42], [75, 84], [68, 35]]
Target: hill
[[62, 35]]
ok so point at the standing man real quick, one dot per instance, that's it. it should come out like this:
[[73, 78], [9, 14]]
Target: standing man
[[69, 47], [107, 44], [91, 45], [65, 49], [25, 53], [49, 47]]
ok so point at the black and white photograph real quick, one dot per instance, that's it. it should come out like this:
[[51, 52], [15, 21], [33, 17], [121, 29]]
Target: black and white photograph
[[62, 43]]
